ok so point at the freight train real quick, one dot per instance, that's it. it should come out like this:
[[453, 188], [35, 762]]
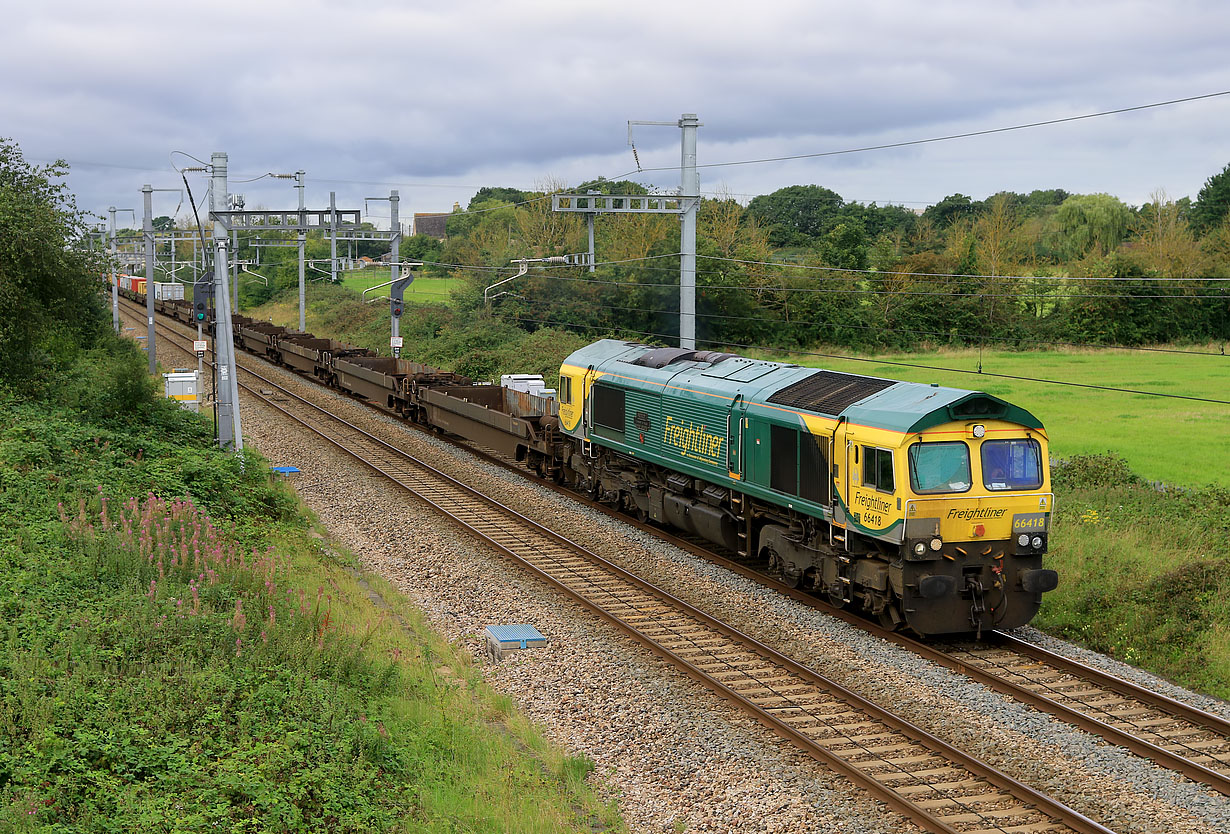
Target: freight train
[[927, 507]]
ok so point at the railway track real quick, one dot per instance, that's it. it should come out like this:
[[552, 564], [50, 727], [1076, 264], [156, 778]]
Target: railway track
[[1173, 734], [932, 783]]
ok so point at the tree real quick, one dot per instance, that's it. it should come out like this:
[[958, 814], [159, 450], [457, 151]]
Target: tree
[[1091, 223], [605, 186], [993, 233], [1166, 244], [546, 232], [50, 304], [949, 210], [1213, 202], [421, 248], [498, 194], [845, 246], [797, 214]]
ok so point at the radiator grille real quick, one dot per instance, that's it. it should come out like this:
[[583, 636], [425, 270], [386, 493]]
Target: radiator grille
[[829, 392]]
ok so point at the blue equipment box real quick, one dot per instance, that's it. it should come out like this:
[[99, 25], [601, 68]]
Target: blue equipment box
[[505, 638]]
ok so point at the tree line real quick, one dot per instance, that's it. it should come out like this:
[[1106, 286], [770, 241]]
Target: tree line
[[802, 266]]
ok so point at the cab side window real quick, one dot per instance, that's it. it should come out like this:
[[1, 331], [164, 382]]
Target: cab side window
[[565, 389], [878, 469]]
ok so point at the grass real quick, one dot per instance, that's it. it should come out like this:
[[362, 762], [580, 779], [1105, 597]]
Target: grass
[[165, 670], [425, 290], [1176, 441]]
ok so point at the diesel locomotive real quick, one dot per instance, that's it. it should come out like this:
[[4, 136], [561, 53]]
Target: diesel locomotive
[[926, 506]]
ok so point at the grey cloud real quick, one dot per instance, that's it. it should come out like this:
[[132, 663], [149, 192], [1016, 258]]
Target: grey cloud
[[513, 92]]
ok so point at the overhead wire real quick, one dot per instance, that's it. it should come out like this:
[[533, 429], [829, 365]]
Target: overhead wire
[[971, 338], [946, 138], [857, 291], [792, 352]]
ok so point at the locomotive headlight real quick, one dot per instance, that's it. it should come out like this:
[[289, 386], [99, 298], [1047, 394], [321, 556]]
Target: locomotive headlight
[[1037, 542], [979, 431], [936, 544], [1023, 540], [920, 548]]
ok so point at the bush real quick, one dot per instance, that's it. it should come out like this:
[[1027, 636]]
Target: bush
[[1092, 472]]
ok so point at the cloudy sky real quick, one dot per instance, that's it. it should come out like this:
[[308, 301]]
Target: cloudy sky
[[439, 99]]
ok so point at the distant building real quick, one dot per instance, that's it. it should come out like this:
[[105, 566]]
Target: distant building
[[433, 224]]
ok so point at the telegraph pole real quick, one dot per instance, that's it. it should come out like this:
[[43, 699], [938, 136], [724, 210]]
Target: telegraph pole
[[299, 178], [237, 202], [395, 228], [115, 279], [147, 226], [689, 191], [230, 433], [686, 205], [332, 236]]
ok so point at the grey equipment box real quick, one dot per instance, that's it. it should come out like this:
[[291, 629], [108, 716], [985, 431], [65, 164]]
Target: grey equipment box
[[507, 638], [182, 385]]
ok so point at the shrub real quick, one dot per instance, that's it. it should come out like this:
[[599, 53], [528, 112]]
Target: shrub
[[1092, 472]]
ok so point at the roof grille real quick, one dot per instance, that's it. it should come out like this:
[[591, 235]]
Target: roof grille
[[829, 392]]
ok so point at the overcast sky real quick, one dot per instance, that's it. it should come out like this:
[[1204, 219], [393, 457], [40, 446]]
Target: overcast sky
[[439, 99]]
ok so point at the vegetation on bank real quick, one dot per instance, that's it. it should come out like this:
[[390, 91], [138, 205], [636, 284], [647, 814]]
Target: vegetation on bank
[[178, 654], [178, 651], [1144, 572]]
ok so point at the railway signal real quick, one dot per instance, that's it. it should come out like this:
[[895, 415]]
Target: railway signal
[[202, 294]]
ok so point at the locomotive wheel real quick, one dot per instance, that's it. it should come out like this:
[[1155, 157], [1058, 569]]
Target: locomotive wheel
[[778, 566], [890, 617]]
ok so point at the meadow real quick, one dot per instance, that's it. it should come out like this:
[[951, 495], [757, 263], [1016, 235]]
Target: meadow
[[1182, 442]]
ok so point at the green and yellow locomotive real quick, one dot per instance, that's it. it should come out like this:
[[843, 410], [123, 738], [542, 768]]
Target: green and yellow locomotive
[[927, 506]]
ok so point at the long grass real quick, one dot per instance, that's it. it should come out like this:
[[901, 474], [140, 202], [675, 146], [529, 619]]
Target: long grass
[[158, 675], [1144, 573]]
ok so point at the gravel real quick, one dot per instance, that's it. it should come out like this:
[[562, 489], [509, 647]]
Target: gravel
[[674, 755]]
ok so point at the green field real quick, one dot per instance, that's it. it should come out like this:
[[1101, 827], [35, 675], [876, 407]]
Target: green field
[[424, 290], [1178, 441]]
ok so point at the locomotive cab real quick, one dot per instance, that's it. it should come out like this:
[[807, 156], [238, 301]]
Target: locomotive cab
[[976, 522]]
